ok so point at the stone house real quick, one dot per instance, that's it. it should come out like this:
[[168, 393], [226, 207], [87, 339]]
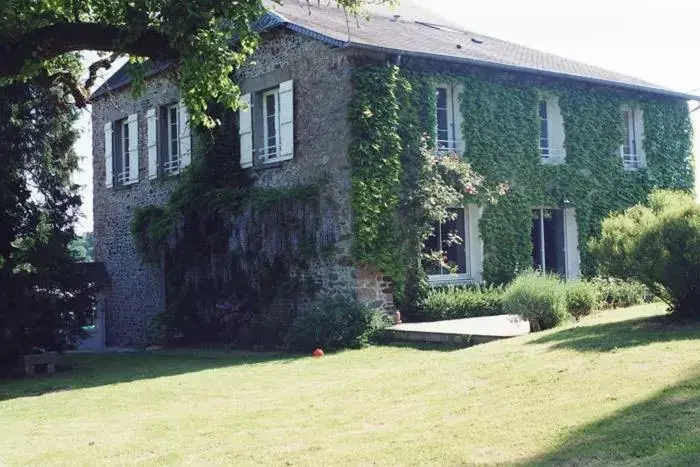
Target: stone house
[[298, 87]]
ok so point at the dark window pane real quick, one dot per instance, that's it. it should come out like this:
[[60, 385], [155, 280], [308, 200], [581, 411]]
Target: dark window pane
[[431, 245], [270, 104], [453, 238], [626, 149], [544, 129], [441, 98]]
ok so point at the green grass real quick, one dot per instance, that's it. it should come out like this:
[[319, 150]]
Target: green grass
[[620, 388]]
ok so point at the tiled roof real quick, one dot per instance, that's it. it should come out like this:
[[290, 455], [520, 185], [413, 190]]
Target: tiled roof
[[386, 33], [447, 43]]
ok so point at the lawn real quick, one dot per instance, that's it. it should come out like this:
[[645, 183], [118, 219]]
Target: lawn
[[620, 388]]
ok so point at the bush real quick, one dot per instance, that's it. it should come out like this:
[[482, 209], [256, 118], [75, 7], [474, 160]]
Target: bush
[[657, 245], [461, 302], [539, 298], [616, 293], [581, 298], [334, 324]]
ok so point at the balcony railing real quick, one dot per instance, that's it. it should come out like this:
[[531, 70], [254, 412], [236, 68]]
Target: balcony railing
[[552, 155], [172, 166], [269, 153], [122, 178], [631, 161]]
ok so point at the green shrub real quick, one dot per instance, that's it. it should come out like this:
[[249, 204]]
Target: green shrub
[[461, 302], [581, 298], [334, 324], [618, 293], [657, 245], [539, 298]]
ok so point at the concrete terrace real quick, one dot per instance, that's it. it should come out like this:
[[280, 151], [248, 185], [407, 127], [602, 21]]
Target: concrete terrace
[[468, 331]]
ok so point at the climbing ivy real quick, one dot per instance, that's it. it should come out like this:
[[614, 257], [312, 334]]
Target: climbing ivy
[[235, 255], [400, 189], [500, 129]]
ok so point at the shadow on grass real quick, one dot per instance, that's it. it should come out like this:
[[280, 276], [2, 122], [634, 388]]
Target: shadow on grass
[[662, 430], [427, 346], [78, 371], [621, 334]]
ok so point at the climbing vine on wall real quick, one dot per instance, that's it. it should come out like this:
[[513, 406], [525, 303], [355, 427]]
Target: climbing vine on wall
[[235, 255], [501, 134], [400, 188]]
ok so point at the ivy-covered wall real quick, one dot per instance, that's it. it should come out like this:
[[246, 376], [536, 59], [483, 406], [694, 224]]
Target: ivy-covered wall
[[500, 130]]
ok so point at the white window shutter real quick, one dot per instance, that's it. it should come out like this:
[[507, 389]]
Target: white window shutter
[[151, 135], [245, 131], [185, 136], [287, 120], [109, 178], [132, 122]]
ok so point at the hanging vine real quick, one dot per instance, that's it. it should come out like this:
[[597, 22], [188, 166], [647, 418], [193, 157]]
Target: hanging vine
[[393, 108]]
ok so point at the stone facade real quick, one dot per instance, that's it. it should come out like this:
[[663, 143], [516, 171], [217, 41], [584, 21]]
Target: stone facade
[[322, 91], [138, 289]]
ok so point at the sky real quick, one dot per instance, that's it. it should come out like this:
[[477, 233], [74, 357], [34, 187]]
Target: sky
[[655, 40]]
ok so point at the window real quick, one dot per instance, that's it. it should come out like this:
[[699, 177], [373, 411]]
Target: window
[[266, 125], [121, 151], [171, 162], [449, 242], [168, 140], [631, 150], [124, 144], [548, 241], [551, 131], [123, 175], [544, 130], [270, 103], [448, 119]]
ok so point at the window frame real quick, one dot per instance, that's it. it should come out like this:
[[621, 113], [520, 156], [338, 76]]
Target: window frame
[[122, 138], [544, 126], [554, 152], [453, 142], [264, 153], [446, 276], [631, 150], [171, 162]]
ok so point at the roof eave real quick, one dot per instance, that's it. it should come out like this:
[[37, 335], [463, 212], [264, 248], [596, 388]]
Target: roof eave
[[502, 66]]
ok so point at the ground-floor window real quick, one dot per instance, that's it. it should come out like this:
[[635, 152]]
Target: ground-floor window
[[449, 242], [549, 240]]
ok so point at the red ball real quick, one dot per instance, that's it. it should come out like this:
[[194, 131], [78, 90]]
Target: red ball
[[318, 353]]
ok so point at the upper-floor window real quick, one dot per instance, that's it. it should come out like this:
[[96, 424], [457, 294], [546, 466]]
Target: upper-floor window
[[631, 151], [169, 139], [271, 123], [123, 139], [171, 143], [448, 119], [121, 151], [266, 125], [551, 131]]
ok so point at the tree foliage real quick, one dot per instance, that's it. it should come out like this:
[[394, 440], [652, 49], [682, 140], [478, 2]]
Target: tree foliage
[[44, 297], [40, 38], [657, 244]]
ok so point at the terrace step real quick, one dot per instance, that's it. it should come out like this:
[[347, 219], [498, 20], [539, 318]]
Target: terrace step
[[461, 332]]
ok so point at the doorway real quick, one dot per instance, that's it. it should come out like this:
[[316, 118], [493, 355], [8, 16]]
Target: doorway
[[549, 241]]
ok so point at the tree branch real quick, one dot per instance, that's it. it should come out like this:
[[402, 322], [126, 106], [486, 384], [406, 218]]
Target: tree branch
[[105, 63], [51, 41]]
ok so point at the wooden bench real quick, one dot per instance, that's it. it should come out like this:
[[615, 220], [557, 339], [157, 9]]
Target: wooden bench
[[29, 362]]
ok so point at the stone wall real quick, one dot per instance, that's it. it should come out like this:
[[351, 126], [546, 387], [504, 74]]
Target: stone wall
[[138, 289], [322, 91]]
